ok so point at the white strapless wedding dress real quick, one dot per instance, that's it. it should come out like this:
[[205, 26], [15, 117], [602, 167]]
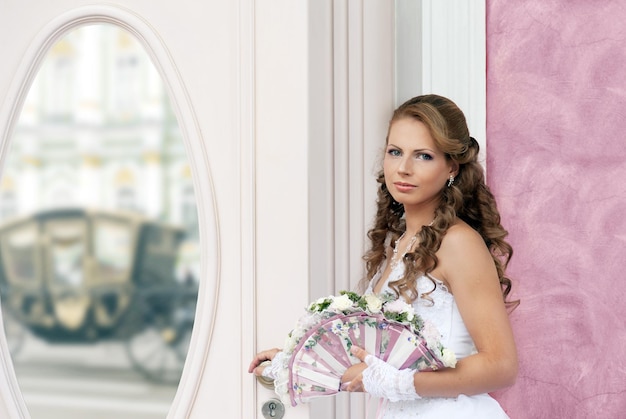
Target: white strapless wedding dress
[[445, 315]]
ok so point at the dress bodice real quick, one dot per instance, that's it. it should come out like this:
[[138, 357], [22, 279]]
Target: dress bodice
[[441, 310]]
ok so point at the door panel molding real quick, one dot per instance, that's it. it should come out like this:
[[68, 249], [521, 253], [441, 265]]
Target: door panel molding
[[246, 126], [352, 96]]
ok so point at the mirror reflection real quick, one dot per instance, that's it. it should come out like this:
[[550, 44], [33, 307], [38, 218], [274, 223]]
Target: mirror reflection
[[99, 244]]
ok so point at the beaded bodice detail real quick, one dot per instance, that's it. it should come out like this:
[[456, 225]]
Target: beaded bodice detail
[[440, 309]]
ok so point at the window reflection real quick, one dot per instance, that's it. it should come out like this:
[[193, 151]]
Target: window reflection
[[99, 254], [67, 253], [112, 248], [21, 259]]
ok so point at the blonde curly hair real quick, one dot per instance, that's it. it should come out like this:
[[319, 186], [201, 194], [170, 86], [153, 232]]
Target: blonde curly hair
[[469, 199]]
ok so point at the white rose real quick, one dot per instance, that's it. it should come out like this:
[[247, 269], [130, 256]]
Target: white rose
[[407, 308], [374, 304], [395, 306], [341, 303], [448, 358], [431, 334]]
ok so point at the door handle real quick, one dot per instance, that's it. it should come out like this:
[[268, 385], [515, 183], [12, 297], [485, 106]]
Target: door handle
[[265, 381]]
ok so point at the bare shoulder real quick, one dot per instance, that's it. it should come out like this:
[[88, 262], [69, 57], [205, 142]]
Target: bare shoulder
[[464, 256], [461, 236]]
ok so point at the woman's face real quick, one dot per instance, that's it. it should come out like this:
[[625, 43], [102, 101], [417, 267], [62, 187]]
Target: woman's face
[[415, 169]]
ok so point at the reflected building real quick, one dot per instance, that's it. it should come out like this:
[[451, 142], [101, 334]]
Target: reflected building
[[98, 233], [97, 131]]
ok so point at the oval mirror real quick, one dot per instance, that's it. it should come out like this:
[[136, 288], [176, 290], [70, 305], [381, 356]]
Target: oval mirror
[[99, 243]]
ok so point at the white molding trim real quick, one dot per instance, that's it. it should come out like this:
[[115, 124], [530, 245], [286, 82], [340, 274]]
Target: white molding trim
[[441, 49], [454, 59], [352, 93], [194, 145], [246, 126]]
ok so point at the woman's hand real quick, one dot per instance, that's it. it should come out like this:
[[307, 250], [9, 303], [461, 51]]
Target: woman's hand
[[352, 379], [267, 355], [381, 379]]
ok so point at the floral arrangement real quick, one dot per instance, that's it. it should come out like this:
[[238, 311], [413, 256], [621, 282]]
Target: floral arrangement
[[345, 316]]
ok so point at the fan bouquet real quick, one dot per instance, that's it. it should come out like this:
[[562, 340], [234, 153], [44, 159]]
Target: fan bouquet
[[317, 351]]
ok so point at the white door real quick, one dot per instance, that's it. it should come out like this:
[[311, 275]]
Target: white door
[[282, 104], [235, 101]]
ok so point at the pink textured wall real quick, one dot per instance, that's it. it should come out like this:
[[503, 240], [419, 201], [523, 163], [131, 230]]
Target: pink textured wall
[[556, 106]]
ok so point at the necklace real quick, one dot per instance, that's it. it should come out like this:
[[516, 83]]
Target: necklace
[[395, 259]]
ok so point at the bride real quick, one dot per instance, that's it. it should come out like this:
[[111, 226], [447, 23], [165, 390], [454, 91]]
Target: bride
[[437, 242]]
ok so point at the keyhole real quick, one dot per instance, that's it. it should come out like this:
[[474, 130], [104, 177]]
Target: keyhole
[[273, 408]]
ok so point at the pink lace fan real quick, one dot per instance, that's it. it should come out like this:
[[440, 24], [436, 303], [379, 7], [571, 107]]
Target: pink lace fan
[[322, 355]]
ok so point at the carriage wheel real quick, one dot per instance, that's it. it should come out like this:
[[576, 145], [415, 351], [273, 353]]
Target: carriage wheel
[[159, 349]]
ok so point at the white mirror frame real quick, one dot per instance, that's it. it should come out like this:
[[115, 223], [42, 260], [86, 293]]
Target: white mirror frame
[[14, 405]]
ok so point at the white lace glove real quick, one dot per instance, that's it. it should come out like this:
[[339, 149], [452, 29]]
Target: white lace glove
[[382, 380], [278, 363], [278, 372]]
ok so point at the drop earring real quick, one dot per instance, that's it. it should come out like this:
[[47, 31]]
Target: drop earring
[[451, 180]]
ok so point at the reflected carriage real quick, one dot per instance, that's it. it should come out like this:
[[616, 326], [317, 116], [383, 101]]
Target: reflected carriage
[[80, 276]]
